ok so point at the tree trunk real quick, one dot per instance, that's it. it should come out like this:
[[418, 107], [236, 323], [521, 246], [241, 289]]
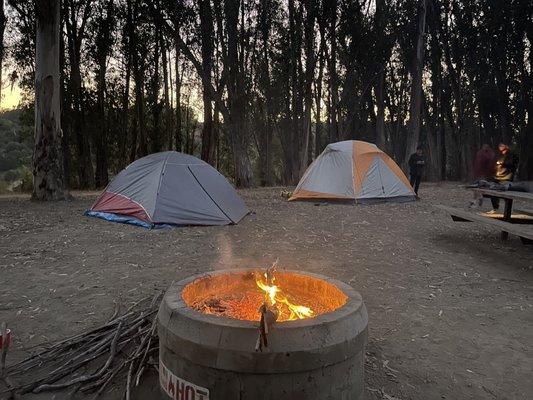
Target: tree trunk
[[168, 129], [65, 142], [3, 21], [318, 116], [319, 141], [125, 113], [503, 105], [380, 81], [526, 143], [101, 174], [381, 140], [310, 62], [413, 137], [139, 143], [177, 131], [156, 105], [265, 87], [332, 70], [103, 44], [206, 27], [48, 179], [75, 37], [236, 125], [125, 132]]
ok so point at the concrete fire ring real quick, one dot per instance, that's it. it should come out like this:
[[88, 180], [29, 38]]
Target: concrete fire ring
[[205, 356]]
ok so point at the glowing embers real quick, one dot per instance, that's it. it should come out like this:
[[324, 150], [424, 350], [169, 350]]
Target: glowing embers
[[240, 295]]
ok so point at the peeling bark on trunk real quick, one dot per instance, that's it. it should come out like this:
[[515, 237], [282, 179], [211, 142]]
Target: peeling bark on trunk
[[48, 179]]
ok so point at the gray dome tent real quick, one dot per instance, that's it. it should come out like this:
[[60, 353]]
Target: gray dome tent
[[170, 188]]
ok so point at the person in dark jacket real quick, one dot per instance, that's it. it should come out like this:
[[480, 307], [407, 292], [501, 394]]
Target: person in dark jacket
[[504, 170], [417, 163]]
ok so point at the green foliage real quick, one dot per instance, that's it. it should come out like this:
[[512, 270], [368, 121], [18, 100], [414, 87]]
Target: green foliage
[[27, 179], [16, 144]]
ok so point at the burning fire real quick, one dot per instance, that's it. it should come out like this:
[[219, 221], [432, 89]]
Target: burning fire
[[274, 296]]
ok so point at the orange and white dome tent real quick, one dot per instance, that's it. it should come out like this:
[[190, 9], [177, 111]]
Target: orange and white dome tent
[[354, 170]]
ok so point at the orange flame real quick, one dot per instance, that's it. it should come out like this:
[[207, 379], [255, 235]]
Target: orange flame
[[274, 296]]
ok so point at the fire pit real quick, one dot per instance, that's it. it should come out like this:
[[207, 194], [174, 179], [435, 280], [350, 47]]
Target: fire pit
[[249, 335]]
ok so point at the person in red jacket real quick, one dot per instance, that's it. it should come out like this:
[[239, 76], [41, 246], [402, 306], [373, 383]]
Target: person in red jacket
[[484, 163], [484, 166]]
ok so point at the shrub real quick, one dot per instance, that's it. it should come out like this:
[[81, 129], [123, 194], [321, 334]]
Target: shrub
[[27, 179]]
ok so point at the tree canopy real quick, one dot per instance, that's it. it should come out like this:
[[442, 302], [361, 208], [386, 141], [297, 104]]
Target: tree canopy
[[258, 88]]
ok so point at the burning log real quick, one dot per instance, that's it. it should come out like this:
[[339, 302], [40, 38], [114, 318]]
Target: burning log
[[245, 301]]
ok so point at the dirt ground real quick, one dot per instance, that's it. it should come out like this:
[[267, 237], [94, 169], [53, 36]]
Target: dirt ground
[[450, 306]]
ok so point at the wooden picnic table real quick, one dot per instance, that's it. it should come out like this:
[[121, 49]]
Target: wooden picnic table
[[515, 221], [508, 197]]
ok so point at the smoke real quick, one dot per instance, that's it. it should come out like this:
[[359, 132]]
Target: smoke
[[226, 258]]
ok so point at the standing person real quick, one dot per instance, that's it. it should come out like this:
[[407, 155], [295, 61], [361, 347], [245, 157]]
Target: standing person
[[505, 169], [484, 163], [483, 170], [417, 163]]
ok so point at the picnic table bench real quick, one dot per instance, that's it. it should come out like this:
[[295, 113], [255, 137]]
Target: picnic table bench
[[519, 223]]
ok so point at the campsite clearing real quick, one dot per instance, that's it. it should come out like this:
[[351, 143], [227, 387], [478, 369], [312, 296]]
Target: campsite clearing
[[450, 307]]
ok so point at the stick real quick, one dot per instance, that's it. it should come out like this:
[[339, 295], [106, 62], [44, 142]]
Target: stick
[[85, 378], [109, 379], [82, 336], [128, 381], [141, 367], [154, 299], [96, 384], [5, 345], [62, 371], [92, 349], [66, 343], [117, 308], [69, 355]]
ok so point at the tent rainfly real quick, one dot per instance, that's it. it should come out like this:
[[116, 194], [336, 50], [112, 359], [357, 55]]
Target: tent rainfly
[[169, 188], [356, 171]]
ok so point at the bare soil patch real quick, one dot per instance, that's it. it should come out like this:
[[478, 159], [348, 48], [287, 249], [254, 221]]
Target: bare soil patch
[[450, 306]]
